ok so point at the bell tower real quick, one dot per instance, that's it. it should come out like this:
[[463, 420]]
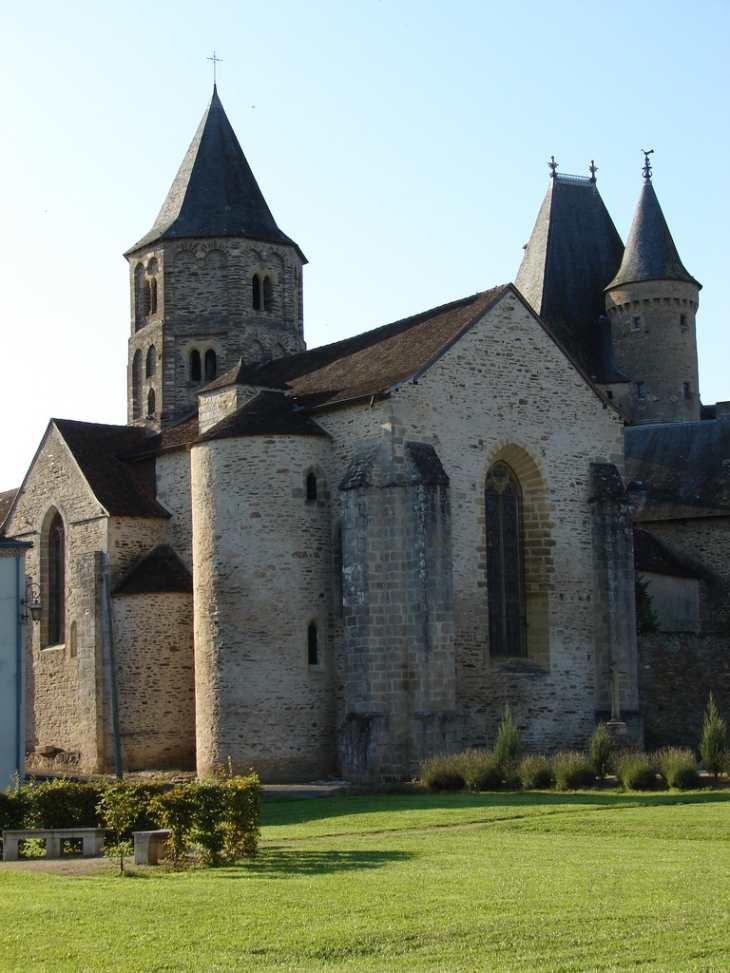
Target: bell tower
[[651, 304], [213, 281]]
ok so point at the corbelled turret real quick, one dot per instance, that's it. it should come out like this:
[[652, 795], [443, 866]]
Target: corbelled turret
[[213, 281]]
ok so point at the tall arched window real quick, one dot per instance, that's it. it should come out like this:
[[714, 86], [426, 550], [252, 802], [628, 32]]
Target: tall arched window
[[195, 372], [137, 385], [256, 292], [151, 362], [503, 517], [56, 595], [312, 644], [151, 402], [311, 486], [210, 365], [153, 295], [268, 293]]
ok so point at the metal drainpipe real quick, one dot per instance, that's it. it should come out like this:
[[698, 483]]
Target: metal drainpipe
[[19, 729], [113, 680]]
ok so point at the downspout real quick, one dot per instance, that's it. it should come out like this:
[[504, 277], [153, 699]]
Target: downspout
[[113, 680], [19, 669]]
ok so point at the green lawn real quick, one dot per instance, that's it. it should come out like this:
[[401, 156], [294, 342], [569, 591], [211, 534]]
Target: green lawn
[[537, 882]]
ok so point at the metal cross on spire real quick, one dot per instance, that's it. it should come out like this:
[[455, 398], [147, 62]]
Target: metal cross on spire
[[647, 168], [593, 169], [552, 166], [215, 60]]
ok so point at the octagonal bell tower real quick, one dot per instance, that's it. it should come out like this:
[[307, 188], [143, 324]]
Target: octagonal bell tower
[[213, 281]]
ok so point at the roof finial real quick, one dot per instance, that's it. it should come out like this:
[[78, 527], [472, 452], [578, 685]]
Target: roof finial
[[215, 60], [552, 166], [593, 169], [647, 168]]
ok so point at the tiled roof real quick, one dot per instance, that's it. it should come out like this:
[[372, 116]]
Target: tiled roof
[[574, 251], [214, 194], [159, 571], [182, 433], [377, 360], [650, 251], [243, 374], [6, 501], [679, 469], [653, 556], [266, 414], [123, 489]]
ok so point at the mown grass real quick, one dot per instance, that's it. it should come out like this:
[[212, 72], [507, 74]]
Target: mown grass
[[538, 882]]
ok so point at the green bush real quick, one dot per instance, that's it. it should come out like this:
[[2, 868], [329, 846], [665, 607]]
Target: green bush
[[678, 768], [120, 807], [480, 770], [536, 772], [601, 751], [713, 746], [13, 809], [175, 810], [62, 804], [635, 771], [508, 745], [573, 771], [443, 772], [241, 807]]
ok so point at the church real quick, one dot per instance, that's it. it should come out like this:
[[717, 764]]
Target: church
[[342, 561]]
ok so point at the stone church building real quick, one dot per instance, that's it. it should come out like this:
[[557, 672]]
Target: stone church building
[[343, 560]]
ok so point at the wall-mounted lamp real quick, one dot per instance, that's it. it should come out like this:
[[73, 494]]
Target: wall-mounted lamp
[[32, 602]]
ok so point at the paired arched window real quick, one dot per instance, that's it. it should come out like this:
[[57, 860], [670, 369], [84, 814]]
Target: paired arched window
[[262, 292], [56, 580], [503, 518], [202, 366]]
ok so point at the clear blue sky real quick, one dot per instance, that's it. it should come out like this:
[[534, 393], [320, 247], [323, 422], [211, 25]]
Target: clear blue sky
[[403, 144]]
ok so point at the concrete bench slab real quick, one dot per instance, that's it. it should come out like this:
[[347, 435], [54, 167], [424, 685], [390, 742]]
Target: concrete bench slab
[[149, 846], [92, 840]]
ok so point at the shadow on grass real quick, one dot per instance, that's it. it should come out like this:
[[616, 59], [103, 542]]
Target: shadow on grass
[[303, 810], [280, 862]]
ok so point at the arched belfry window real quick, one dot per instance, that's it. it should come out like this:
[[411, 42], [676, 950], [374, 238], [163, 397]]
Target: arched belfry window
[[56, 594], [313, 644], [195, 370], [503, 518], [153, 295], [210, 365], [137, 385], [151, 402], [256, 292], [151, 362], [268, 293]]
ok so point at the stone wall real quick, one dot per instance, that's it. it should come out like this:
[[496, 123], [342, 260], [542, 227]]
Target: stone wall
[[153, 635]]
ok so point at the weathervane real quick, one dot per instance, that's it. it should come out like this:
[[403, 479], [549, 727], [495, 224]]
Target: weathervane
[[215, 60], [552, 166], [647, 168], [593, 169]]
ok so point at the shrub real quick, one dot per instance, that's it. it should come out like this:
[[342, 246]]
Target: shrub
[[678, 768], [635, 771], [443, 773], [480, 770], [119, 808], [207, 828], [573, 771], [175, 810], [241, 807], [508, 745], [63, 804], [601, 751], [536, 772], [713, 745]]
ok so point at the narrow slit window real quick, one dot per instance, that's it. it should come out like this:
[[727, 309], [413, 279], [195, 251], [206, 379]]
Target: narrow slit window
[[637, 322], [195, 374], [686, 390], [268, 293], [151, 363], [151, 402], [311, 486], [153, 296], [313, 644], [211, 365], [683, 322], [256, 292], [640, 390], [56, 581]]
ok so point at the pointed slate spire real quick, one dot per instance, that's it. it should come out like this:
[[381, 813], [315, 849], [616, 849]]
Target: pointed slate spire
[[214, 193], [650, 252]]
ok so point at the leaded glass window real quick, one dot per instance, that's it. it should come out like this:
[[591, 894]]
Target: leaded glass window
[[502, 502]]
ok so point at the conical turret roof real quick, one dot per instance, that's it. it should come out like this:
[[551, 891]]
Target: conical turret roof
[[214, 193], [650, 252]]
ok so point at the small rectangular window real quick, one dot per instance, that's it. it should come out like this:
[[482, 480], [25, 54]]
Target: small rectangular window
[[683, 322], [637, 322], [686, 391], [640, 390]]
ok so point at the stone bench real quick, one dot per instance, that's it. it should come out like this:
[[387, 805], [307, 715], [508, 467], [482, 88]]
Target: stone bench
[[92, 840], [149, 846]]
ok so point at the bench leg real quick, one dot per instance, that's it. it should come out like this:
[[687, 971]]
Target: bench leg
[[93, 846], [142, 849], [10, 849], [53, 847]]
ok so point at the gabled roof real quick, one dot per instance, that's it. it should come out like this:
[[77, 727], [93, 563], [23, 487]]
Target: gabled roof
[[372, 363], [159, 571], [650, 555], [214, 194], [266, 414], [7, 499], [679, 470], [123, 489], [242, 374], [574, 251], [183, 432], [650, 252]]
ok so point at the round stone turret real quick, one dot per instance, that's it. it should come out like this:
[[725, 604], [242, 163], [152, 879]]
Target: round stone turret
[[652, 303]]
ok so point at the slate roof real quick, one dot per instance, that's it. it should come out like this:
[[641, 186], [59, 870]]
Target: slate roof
[[182, 433], [371, 363], [653, 556], [574, 251], [650, 252], [6, 502], [159, 571], [215, 193], [678, 470], [266, 414], [243, 374], [123, 489]]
